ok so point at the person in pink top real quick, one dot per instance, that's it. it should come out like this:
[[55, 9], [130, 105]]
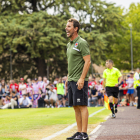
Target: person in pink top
[[30, 91], [36, 91]]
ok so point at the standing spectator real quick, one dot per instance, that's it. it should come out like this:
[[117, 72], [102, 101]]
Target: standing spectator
[[30, 91], [130, 92], [40, 82], [22, 87], [3, 88], [56, 80], [25, 102], [124, 86], [37, 92], [44, 84], [121, 91], [28, 81], [14, 87], [60, 92], [99, 93], [13, 101]]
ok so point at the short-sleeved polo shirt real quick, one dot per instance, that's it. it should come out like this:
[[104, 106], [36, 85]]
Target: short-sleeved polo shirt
[[76, 50], [111, 76]]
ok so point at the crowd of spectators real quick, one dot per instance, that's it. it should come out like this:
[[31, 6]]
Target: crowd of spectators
[[35, 93], [43, 93]]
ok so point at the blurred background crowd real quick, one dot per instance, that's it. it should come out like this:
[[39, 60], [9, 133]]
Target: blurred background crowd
[[40, 92]]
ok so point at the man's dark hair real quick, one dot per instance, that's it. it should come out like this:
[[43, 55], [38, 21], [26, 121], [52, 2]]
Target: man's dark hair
[[75, 23], [110, 61]]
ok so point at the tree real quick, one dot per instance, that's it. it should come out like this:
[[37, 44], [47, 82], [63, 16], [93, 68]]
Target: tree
[[121, 51]]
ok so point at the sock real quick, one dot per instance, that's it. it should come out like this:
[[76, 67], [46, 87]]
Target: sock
[[111, 107], [116, 106]]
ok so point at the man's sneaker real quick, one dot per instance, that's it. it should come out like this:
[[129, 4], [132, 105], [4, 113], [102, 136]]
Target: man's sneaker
[[74, 136], [116, 110], [113, 116], [83, 136]]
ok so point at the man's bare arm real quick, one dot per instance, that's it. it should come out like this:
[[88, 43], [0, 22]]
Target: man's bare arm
[[80, 82]]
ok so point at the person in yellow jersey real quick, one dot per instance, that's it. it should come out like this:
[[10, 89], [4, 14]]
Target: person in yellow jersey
[[112, 79], [60, 92], [137, 85]]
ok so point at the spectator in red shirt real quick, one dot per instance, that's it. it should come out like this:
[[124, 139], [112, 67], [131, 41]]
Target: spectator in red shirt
[[14, 87], [124, 86]]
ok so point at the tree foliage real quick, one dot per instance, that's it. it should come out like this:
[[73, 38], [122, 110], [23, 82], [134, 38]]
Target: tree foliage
[[37, 38]]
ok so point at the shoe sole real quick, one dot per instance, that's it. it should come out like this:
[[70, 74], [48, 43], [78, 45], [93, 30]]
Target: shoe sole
[[81, 139]]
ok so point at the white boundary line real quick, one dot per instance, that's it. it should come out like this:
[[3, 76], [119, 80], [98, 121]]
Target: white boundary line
[[69, 127]]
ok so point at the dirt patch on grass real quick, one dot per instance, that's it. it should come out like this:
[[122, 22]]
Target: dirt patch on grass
[[38, 134]]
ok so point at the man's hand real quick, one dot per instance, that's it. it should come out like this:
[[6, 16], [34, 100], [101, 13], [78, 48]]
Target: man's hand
[[116, 85], [80, 83]]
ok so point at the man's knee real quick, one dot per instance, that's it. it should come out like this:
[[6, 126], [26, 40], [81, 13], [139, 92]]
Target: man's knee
[[111, 99], [12, 100]]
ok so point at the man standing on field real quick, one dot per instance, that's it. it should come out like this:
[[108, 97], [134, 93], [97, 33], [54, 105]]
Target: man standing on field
[[112, 80], [78, 65]]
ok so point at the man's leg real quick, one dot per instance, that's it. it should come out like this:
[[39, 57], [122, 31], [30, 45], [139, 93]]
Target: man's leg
[[6, 106], [84, 116], [13, 103], [111, 104], [116, 104], [78, 117]]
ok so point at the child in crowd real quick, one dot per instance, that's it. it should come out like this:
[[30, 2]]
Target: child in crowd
[[123, 101]]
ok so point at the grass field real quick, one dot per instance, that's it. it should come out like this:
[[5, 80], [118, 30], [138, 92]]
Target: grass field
[[35, 124]]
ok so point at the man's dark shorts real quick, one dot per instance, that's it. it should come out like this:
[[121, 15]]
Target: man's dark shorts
[[77, 97], [60, 97], [112, 91]]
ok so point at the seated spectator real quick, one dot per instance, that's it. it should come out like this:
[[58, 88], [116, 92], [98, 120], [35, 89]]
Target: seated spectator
[[13, 101], [6, 99], [3, 88], [123, 101], [25, 102], [1, 101], [92, 98], [51, 96]]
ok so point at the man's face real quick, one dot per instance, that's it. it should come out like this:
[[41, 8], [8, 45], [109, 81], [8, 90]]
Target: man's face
[[69, 29], [39, 78], [131, 75], [13, 81], [108, 65]]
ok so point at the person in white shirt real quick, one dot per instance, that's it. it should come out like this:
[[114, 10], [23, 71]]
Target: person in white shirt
[[22, 87], [25, 102], [51, 96], [44, 84], [130, 84]]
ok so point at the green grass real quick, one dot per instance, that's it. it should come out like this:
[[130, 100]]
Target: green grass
[[27, 119]]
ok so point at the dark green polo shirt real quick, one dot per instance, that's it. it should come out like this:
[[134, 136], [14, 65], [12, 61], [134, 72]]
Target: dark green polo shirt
[[76, 50]]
